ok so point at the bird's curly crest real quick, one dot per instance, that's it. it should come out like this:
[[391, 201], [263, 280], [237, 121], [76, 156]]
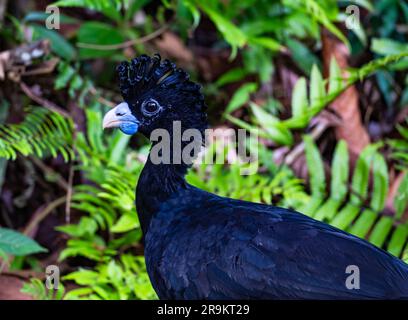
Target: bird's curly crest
[[145, 73]]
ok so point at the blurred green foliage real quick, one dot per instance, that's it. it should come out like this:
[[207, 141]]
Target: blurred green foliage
[[258, 35]]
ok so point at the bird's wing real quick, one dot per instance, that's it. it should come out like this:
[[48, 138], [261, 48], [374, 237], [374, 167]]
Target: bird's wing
[[293, 256], [263, 252]]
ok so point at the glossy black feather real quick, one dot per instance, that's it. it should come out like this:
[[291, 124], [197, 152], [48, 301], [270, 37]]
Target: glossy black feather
[[202, 246]]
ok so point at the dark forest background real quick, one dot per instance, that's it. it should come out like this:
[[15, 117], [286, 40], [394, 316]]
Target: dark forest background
[[324, 82]]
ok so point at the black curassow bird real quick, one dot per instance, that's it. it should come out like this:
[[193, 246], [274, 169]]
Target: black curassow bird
[[202, 246]]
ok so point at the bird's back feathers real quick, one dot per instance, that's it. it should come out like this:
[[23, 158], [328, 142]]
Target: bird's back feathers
[[204, 246]]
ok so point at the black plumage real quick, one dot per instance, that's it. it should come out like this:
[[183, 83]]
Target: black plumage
[[202, 246]]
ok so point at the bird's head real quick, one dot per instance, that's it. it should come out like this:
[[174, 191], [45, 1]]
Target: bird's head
[[155, 94]]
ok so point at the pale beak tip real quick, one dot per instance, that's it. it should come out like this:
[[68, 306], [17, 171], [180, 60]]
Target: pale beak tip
[[105, 125], [109, 119]]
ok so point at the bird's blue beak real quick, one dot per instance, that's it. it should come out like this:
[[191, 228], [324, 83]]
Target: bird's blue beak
[[121, 117]]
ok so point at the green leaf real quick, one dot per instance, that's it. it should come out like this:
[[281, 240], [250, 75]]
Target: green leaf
[[251, 128], [42, 16], [398, 240], [386, 46], [125, 223], [230, 76], [317, 91], [118, 145], [267, 43], [346, 216], [37, 289], [380, 231], [59, 45], [81, 248], [17, 244], [311, 206], [77, 294], [114, 272], [136, 5], [315, 167], [255, 27], [299, 98], [380, 187], [65, 74], [403, 131], [192, 8], [364, 223], [231, 33], [401, 198], [272, 126], [83, 277], [241, 96], [85, 227], [335, 77], [315, 9], [328, 209], [374, 66], [94, 130], [110, 8], [302, 56], [97, 33], [361, 174], [339, 172]]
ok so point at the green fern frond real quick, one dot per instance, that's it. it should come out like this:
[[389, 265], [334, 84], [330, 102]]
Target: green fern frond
[[375, 65], [41, 133], [399, 147], [280, 188], [357, 209], [37, 289], [124, 278], [399, 153], [320, 14], [305, 106]]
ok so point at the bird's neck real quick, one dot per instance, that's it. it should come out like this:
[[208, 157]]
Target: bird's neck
[[157, 183]]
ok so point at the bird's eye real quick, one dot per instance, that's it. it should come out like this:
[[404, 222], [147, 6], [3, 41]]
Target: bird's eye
[[150, 107]]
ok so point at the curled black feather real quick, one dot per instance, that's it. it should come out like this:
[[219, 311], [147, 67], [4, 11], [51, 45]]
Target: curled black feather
[[145, 73]]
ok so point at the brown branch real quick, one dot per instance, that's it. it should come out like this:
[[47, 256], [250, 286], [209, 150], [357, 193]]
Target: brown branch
[[24, 274], [298, 150], [100, 99], [42, 101], [125, 44], [42, 68], [41, 214], [48, 170]]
